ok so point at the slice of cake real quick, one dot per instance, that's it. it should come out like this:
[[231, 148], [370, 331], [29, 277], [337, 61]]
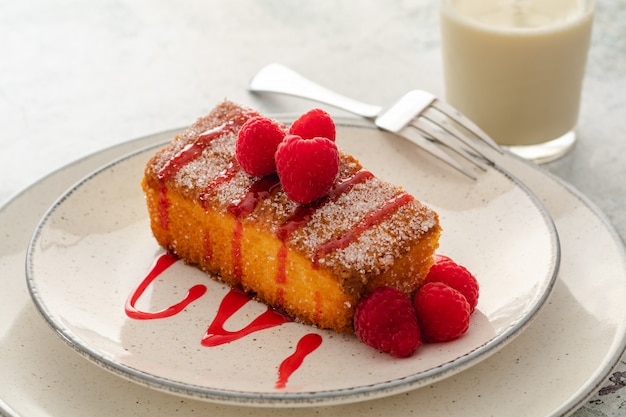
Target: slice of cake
[[312, 261]]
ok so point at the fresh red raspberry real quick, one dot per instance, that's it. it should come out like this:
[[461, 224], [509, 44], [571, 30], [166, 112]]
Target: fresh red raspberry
[[443, 313], [385, 320], [306, 167], [314, 123], [256, 145], [456, 276]]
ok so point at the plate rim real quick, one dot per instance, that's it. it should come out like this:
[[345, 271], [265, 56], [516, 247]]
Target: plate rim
[[289, 399]]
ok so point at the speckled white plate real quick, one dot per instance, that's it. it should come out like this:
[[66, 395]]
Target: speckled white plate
[[94, 247]]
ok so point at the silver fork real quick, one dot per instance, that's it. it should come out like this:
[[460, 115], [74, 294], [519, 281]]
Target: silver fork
[[418, 116]]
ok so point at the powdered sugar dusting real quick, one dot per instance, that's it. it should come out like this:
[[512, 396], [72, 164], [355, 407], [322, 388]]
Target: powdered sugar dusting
[[197, 174], [379, 247], [273, 211], [231, 192], [336, 217]]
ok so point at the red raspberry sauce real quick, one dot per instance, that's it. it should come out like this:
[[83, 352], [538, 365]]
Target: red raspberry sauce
[[216, 334]]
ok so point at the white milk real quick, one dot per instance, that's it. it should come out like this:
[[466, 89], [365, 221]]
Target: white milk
[[516, 67]]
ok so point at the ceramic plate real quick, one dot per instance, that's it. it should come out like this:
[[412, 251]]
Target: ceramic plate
[[94, 248]]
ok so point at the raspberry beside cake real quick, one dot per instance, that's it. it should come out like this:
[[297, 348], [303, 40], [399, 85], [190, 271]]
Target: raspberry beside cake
[[313, 261]]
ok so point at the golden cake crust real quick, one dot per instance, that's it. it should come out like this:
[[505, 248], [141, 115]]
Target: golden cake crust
[[313, 262]]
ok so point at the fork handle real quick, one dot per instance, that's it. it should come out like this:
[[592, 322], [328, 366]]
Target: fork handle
[[276, 78]]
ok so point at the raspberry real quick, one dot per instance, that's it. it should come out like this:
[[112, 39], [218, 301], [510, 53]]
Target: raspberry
[[314, 123], [256, 145], [385, 320], [306, 167], [443, 313], [456, 276]]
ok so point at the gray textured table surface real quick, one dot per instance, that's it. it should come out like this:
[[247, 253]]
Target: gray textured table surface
[[79, 76]]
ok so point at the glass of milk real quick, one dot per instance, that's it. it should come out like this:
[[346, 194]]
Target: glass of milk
[[516, 67]]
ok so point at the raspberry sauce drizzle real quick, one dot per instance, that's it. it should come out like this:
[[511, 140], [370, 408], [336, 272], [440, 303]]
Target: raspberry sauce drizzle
[[373, 218], [281, 267], [258, 191], [303, 213], [235, 251], [194, 149], [307, 344], [162, 262], [281, 273], [216, 334], [226, 175], [233, 301], [207, 246], [164, 205]]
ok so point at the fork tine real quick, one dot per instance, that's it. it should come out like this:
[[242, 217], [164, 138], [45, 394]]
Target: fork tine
[[418, 104], [433, 148], [439, 136], [439, 126], [462, 120]]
